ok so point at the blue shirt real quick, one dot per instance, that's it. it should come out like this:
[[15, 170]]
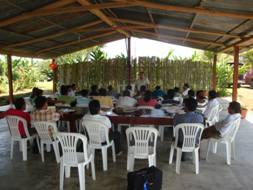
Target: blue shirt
[[82, 101], [158, 93]]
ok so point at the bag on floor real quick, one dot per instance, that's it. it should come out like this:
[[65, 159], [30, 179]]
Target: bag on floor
[[145, 179]]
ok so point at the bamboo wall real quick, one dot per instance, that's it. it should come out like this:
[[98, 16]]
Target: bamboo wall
[[167, 73]]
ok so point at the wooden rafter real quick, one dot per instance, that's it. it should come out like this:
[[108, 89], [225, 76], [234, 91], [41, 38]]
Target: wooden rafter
[[75, 29], [173, 27], [75, 42], [102, 16], [184, 9], [27, 15], [177, 38], [245, 40], [151, 19]]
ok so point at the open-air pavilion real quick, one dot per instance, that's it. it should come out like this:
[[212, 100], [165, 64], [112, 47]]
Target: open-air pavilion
[[49, 28]]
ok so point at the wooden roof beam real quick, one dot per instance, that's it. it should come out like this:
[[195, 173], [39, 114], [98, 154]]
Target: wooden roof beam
[[102, 16], [173, 27], [75, 42], [178, 38], [197, 10], [27, 15], [74, 29], [245, 40]]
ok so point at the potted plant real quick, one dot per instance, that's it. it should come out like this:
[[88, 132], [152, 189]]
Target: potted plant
[[244, 111]]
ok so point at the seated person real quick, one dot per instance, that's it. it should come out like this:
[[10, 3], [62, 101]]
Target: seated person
[[158, 92], [126, 100], [129, 88], [64, 97], [83, 100], [111, 92], [19, 110], [147, 100], [41, 113], [169, 97], [72, 90], [186, 88], [105, 101], [177, 96], [94, 90], [140, 93], [94, 115], [212, 102], [222, 128], [191, 94], [201, 100], [190, 116], [35, 93]]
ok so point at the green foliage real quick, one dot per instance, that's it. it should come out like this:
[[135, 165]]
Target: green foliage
[[45, 72], [97, 54], [73, 58]]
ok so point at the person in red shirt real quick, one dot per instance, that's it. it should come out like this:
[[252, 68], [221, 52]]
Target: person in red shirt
[[147, 100], [20, 111]]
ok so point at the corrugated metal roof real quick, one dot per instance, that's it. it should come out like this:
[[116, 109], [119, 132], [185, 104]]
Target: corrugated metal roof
[[50, 28]]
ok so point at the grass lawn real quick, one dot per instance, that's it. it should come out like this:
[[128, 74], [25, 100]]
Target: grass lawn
[[46, 86]]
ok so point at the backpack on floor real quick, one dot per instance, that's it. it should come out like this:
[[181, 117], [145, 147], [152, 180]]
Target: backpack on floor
[[145, 179]]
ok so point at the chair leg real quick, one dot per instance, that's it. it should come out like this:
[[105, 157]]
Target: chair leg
[[215, 144], [152, 160], [12, 143], [104, 158], [38, 143], [233, 150], [130, 162], [81, 173], [67, 171], [171, 154], [113, 152], [93, 171], [61, 175], [48, 147], [196, 155], [42, 151], [178, 162], [161, 132], [24, 149], [56, 151], [228, 147], [208, 149]]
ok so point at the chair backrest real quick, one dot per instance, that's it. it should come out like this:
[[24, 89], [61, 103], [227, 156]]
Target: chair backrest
[[213, 116], [13, 124], [46, 130], [191, 135], [143, 138], [98, 133], [232, 133], [69, 142]]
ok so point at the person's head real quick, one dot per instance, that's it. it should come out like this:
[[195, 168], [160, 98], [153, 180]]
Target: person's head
[[143, 88], [212, 94], [190, 104], [64, 90], [94, 88], [191, 94], [147, 96], [73, 86], [84, 92], [19, 104], [102, 92], [41, 103], [110, 88], [36, 92], [170, 94], [94, 107], [234, 107], [200, 94], [126, 93], [141, 75], [176, 89], [157, 87], [186, 86], [128, 87]]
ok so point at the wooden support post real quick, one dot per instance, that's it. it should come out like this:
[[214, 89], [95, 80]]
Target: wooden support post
[[9, 66], [235, 75], [55, 80], [214, 72], [129, 59]]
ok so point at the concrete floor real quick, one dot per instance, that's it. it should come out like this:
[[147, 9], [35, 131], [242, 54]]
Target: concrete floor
[[214, 174]]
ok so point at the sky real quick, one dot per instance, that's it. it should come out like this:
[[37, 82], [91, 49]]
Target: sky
[[146, 47]]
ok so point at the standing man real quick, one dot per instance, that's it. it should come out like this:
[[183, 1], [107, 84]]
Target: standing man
[[142, 81]]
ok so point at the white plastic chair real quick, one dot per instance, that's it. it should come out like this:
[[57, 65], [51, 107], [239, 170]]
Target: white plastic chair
[[72, 158], [46, 131], [99, 139], [13, 122], [213, 116], [192, 133], [228, 140], [141, 143]]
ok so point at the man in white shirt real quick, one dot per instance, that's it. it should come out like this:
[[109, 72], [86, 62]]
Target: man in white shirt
[[142, 81], [94, 115], [212, 102], [126, 100], [222, 128], [186, 88]]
